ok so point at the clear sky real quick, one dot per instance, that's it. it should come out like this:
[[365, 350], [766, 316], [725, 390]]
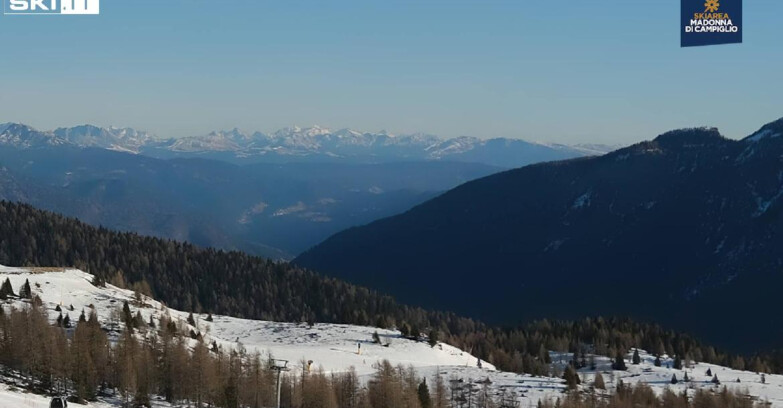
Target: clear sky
[[578, 71]]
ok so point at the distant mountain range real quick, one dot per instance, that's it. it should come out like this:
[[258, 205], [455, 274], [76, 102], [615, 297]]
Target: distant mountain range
[[301, 145], [275, 210], [686, 230], [273, 195]]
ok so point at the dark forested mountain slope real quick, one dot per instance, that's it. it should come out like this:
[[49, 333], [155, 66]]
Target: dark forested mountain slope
[[235, 284], [684, 229]]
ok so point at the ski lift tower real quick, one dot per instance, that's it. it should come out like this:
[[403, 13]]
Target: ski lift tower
[[279, 366]]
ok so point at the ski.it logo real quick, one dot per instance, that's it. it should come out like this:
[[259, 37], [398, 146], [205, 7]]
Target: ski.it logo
[[35, 7]]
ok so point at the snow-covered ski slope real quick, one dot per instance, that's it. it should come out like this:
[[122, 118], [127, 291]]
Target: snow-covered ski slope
[[331, 347], [335, 347]]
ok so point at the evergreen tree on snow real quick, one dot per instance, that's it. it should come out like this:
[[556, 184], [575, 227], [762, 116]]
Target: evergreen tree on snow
[[405, 329], [636, 359], [6, 290], [598, 382], [26, 292], [434, 337], [619, 362], [127, 316], [415, 332], [674, 379], [138, 320], [571, 377], [424, 394]]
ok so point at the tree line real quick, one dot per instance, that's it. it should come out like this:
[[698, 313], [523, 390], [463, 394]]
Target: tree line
[[642, 396], [141, 360], [158, 360], [207, 280]]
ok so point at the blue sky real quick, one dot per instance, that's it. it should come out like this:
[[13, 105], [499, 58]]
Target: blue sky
[[566, 71]]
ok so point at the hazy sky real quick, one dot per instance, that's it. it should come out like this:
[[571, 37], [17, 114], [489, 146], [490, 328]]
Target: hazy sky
[[568, 71]]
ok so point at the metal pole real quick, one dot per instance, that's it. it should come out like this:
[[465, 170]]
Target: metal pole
[[278, 387]]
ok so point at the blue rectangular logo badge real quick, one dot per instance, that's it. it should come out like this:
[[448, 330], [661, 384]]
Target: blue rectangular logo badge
[[710, 22]]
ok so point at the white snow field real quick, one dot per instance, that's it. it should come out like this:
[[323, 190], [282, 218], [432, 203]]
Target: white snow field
[[335, 347]]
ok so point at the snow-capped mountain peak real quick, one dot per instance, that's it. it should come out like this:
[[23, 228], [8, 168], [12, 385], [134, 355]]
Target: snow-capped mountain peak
[[25, 137], [315, 142]]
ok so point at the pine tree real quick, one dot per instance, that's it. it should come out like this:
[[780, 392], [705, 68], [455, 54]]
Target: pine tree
[[376, 338], [657, 361], [636, 358], [171, 328], [191, 320], [619, 362], [598, 382], [424, 394], [127, 316], [709, 372], [405, 330], [415, 332], [715, 379], [209, 317], [685, 378], [126, 354], [67, 321], [98, 281], [138, 320], [434, 337], [677, 363], [381, 322], [571, 377], [674, 379], [26, 292], [6, 290]]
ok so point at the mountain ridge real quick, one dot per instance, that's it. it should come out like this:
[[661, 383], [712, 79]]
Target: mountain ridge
[[690, 215], [295, 143]]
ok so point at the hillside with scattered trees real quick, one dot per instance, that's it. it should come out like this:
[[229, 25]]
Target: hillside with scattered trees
[[139, 361]]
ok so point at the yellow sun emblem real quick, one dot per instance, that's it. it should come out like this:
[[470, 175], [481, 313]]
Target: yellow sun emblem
[[711, 6]]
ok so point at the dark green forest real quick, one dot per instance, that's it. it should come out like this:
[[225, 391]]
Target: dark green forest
[[206, 280]]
